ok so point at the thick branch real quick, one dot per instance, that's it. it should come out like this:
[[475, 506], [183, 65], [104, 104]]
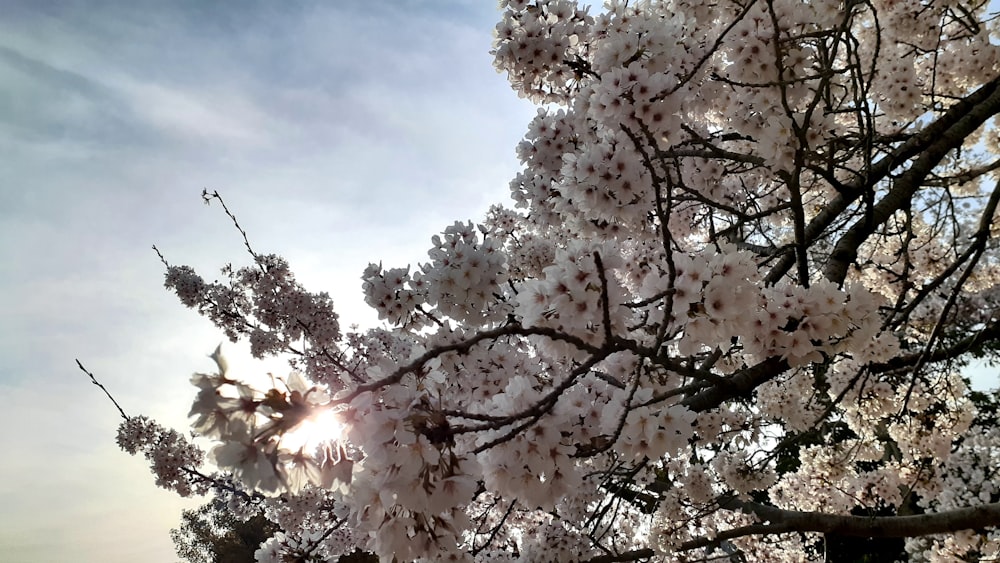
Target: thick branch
[[740, 384], [971, 112], [779, 521], [903, 188], [989, 333], [621, 557]]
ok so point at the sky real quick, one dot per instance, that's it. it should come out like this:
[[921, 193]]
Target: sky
[[340, 133]]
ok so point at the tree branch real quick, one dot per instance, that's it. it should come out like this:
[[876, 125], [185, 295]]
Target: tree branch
[[103, 388], [903, 188], [779, 521], [634, 555], [971, 112]]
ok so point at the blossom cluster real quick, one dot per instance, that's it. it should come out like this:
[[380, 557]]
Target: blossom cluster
[[264, 304], [169, 453], [250, 426], [462, 281]]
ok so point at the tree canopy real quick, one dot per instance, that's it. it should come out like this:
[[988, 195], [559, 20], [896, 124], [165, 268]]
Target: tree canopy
[[752, 247], [215, 534]]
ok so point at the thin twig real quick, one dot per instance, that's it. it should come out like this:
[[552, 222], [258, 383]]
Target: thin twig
[[103, 388], [208, 197]]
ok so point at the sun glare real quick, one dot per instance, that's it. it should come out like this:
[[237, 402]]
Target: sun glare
[[314, 431]]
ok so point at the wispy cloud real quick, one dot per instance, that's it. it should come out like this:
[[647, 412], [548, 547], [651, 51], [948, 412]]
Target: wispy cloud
[[199, 117]]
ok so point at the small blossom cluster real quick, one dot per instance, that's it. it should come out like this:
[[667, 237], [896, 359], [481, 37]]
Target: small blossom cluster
[[170, 455], [263, 303], [535, 466], [283, 547], [534, 39], [569, 298], [409, 490], [721, 303], [249, 426], [463, 281], [651, 432]]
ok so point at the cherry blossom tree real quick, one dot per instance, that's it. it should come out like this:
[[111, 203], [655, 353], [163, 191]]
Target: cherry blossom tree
[[751, 250]]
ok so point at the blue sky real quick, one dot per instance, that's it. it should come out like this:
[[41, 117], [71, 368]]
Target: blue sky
[[340, 133]]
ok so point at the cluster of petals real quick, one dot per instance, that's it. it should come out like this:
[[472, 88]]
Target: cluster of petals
[[169, 453], [461, 281]]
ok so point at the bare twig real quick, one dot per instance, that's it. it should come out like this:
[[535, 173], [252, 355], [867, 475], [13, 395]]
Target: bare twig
[[103, 388]]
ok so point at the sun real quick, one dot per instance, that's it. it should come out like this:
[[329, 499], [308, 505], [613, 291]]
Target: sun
[[318, 429]]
